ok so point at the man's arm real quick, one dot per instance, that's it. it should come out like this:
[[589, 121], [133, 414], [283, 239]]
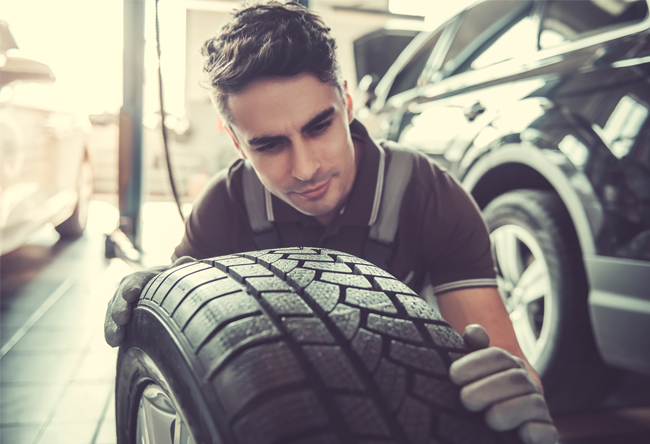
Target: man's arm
[[483, 306]]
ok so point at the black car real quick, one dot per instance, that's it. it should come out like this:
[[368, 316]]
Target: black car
[[540, 109]]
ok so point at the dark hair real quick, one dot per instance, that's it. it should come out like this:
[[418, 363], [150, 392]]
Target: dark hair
[[268, 40]]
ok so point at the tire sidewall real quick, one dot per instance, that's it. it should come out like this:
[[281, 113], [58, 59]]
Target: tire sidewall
[[151, 355]]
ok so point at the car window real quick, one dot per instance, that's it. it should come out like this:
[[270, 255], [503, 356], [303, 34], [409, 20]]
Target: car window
[[520, 39], [481, 24], [568, 21], [409, 75]]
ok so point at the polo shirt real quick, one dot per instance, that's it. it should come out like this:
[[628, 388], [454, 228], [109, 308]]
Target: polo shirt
[[441, 234]]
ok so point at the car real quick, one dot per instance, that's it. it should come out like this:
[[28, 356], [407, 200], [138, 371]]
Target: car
[[46, 174], [540, 110]]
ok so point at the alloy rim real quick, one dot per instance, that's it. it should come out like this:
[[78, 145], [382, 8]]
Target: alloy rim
[[525, 287], [159, 421]]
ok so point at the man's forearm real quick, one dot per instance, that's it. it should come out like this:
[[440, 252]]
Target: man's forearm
[[483, 305]]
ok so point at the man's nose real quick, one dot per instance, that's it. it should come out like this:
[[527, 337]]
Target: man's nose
[[305, 163]]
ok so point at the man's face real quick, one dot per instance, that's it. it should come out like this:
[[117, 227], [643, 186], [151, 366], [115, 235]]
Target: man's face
[[295, 132]]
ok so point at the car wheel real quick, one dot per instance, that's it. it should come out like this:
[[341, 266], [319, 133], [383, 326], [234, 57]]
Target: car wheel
[[293, 345], [74, 226], [543, 284]]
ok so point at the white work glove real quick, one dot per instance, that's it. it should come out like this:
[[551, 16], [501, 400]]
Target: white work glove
[[120, 308], [497, 382]]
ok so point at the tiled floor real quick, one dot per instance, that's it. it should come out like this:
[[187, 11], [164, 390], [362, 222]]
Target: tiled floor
[[57, 374]]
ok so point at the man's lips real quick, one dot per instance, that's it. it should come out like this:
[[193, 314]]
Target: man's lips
[[315, 192]]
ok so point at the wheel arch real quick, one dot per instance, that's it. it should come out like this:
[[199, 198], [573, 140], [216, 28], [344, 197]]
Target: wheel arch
[[515, 167]]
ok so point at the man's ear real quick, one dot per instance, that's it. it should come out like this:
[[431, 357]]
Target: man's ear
[[348, 102], [231, 133]]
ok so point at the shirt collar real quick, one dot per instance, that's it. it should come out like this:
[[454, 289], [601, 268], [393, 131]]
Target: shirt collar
[[362, 205]]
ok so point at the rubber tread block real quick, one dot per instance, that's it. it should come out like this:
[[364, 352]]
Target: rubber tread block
[[368, 346], [234, 261], [348, 259], [370, 299], [191, 283], [391, 379], [284, 266], [349, 280], [415, 417], [392, 285], [328, 266], [333, 367], [217, 312], [256, 371], [149, 289], [346, 319], [311, 257], [175, 276], [419, 357], [324, 294], [397, 328], [186, 308], [286, 303], [269, 258], [257, 285], [416, 307], [234, 336], [286, 415], [301, 277], [308, 330], [361, 416], [241, 272], [446, 337], [371, 270]]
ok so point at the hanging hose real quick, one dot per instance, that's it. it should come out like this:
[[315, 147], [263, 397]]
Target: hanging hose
[[162, 125]]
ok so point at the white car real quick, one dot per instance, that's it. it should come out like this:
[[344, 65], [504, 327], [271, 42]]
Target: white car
[[45, 172]]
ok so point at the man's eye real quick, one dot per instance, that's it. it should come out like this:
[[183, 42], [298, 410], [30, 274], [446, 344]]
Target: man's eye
[[266, 148], [316, 129]]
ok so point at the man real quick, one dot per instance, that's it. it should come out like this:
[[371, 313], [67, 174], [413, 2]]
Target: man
[[276, 83]]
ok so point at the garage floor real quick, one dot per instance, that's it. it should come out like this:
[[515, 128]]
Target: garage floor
[[57, 373]]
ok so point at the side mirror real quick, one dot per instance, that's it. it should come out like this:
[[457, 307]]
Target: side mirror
[[367, 86], [14, 68]]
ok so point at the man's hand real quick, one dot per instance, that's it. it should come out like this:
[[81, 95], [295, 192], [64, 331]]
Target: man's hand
[[496, 381], [121, 306]]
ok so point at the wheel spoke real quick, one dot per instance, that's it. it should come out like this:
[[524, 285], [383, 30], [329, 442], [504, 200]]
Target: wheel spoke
[[524, 331], [534, 283], [507, 254]]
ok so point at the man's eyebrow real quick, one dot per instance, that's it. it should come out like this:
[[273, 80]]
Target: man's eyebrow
[[323, 115], [263, 140]]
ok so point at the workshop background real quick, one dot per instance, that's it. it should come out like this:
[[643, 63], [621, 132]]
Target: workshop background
[[57, 374]]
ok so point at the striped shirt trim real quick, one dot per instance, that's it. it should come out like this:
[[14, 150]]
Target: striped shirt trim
[[379, 187], [465, 284], [269, 205]]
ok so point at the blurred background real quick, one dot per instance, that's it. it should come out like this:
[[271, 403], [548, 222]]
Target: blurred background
[[68, 181]]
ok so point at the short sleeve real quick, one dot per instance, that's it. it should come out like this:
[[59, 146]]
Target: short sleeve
[[457, 246], [217, 224]]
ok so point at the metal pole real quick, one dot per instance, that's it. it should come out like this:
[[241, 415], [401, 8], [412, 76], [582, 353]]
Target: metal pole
[[131, 134]]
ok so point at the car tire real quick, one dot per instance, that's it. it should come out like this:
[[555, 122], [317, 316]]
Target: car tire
[[293, 345], [74, 226], [543, 283]]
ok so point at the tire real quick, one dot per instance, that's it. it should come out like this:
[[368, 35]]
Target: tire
[[74, 226], [295, 346], [543, 283]]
